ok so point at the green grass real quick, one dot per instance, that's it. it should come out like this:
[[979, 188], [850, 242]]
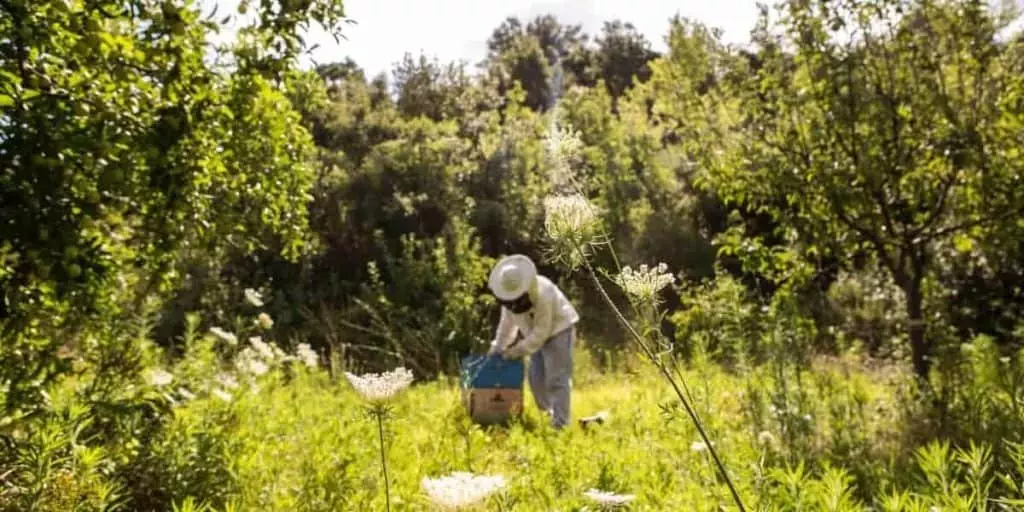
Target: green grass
[[309, 444]]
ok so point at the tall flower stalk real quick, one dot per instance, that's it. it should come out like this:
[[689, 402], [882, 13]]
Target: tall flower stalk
[[379, 411], [378, 390], [574, 229]]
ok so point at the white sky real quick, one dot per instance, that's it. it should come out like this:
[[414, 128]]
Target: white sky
[[458, 29]]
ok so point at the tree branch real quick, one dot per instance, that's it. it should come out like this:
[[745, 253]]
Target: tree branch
[[972, 224]]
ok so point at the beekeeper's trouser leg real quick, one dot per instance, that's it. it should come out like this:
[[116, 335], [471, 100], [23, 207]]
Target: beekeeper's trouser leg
[[551, 374]]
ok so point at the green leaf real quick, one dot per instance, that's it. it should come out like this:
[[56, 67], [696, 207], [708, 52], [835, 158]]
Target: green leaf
[[6, 101], [962, 243]]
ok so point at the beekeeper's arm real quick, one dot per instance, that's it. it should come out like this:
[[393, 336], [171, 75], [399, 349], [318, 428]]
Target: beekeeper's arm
[[542, 320], [505, 334]]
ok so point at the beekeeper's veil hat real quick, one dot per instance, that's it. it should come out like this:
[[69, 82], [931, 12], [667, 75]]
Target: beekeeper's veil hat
[[512, 277]]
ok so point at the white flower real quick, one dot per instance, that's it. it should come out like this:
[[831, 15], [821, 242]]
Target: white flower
[[280, 354], [306, 354], [264, 321], [221, 394], [562, 149], [158, 377], [249, 362], [262, 348], [374, 386], [461, 489], [227, 381], [699, 446], [571, 218], [609, 499], [224, 336], [644, 284], [765, 437], [253, 297], [186, 394]]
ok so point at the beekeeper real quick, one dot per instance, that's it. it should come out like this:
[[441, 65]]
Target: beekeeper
[[533, 306]]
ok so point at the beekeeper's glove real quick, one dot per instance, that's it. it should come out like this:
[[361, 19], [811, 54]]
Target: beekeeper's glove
[[512, 353], [494, 351]]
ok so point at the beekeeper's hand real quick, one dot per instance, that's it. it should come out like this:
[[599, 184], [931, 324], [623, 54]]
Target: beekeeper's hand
[[512, 353]]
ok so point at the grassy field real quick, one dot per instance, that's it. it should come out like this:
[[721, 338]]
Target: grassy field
[[267, 431], [309, 444]]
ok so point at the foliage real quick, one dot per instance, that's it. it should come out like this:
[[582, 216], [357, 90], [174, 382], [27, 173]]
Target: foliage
[[881, 133], [130, 154]]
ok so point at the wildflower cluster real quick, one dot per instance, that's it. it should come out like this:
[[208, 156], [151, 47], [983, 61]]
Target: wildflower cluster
[[306, 354], [461, 489], [376, 387], [255, 359], [264, 321], [562, 149], [253, 297], [642, 285], [572, 223], [224, 336]]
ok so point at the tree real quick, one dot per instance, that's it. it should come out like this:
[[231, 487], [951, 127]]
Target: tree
[[124, 150], [622, 54], [891, 127], [427, 88], [544, 56]]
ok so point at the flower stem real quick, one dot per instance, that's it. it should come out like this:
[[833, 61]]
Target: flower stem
[[383, 459], [668, 375]]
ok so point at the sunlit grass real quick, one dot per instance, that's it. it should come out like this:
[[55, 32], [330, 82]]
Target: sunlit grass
[[308, 445]]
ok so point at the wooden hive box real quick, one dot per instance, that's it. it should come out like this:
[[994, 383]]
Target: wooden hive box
[[492, 388]]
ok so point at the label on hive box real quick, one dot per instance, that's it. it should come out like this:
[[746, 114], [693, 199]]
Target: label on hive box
[[494, 405]]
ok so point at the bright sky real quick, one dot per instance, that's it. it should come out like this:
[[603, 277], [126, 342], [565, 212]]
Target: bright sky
[[458, 29]]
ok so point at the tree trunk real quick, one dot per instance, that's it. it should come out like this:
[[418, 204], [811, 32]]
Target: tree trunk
[[919, 346]]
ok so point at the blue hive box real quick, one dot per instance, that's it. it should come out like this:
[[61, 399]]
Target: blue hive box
[[492, 388], [481, 371]]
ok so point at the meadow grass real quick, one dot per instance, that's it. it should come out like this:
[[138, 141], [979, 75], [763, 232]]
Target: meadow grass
[[310, 444]]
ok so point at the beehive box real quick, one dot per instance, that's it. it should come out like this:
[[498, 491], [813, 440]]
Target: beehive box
[[492, 388]]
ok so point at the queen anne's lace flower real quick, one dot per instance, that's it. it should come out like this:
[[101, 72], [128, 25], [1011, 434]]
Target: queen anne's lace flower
[[571, 217], [461, 489], [306, 354], [373, 386], [572, 225], [224, 336], [253, 297], [221, 394], [562, 148], [644, 284], [608, 499], [227, 381], [250, 361], [262, 348]]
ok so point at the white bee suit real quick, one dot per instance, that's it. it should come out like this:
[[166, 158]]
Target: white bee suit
[[549, 334]]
